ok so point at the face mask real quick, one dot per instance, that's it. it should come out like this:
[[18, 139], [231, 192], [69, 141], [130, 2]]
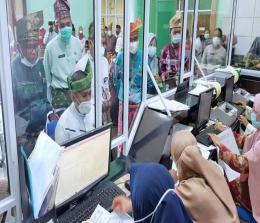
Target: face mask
[[133, 47], [206, 36], [216, 41], [117, 33], [84, 107], [152, 51], [176, 39], [27, 63], [66, 33], [109, 33], [151, 215], [255, 123]]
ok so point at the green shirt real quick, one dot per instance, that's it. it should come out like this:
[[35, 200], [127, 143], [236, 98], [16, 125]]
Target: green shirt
[[59, 62]]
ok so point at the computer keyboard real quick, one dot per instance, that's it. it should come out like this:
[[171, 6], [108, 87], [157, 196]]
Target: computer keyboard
[[103, 196], [203, 137]]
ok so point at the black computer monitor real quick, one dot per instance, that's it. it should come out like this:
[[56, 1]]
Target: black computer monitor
[[182, 89], [150, 137], [229, 87], [204, 109], [83, 164]]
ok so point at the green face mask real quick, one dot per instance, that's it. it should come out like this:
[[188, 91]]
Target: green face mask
[[66, 33]]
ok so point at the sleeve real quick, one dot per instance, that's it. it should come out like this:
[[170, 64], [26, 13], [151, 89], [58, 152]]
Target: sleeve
[[45, 39], [61, 135], [238, 163], [47, 68], [204, 56], [250, 129]]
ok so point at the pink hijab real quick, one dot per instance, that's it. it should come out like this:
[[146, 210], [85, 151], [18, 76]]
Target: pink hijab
[[252, 152]]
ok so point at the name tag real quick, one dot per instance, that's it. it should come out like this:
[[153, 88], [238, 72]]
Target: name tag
[[61, 56]]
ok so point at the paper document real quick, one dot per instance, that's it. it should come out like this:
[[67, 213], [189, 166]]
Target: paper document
[[227, 138], [42, 163], [198, 90], [231, 174], [172, 105], [101, 215], [205, 150]]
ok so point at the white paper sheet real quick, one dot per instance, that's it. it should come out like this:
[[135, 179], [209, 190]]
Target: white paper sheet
[[172, 105], [231, 174], [198, 90], [42, 163], [205, 150], [101, 215], [227, 138]]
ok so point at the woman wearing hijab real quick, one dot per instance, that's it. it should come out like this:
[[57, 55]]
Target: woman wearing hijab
[[153, 63], [252, 58], [152, 196], [245, 190], [202, 186]]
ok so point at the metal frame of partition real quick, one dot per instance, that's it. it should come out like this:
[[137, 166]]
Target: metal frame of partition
[[127, 137]]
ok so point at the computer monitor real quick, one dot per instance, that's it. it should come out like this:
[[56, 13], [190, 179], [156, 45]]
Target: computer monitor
[[150, 137], [83, 163], [229, 87], [182, 89], [204, 109]]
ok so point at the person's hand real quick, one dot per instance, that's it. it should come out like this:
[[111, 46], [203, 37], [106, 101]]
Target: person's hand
[[243, 120], [242, 104], [219, 126], [257, 66], [215, 139], [122, 204]]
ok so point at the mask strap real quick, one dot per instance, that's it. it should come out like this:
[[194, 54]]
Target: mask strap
[[157, 206]]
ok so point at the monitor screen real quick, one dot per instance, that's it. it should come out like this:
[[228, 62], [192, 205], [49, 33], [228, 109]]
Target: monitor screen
[[83, 164], [204, 108], [229, 87], [150, 136], [182, 89]]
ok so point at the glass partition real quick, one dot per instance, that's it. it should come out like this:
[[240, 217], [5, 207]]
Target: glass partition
[[52, 46], [166, 24], [213, 34], [112, 41], [246, 37]]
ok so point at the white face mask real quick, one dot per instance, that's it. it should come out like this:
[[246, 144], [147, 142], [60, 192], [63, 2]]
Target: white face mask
[[152, 51], [176, 38], [133, 47], [85, 107], [109, 33], [216, 41], [206, 36], [27, 63]]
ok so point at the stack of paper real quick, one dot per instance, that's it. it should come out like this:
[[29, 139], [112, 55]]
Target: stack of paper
[[41, 168], [172, 105]]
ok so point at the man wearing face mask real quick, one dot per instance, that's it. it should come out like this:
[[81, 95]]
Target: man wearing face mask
[[171, 53], [61, 56], [215, 53], [110, 42], [135, 76], [50, 34], [79, 117], [29, 83]]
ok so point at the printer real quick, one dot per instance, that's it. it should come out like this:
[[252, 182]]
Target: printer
[[240, 95], [225, 113]]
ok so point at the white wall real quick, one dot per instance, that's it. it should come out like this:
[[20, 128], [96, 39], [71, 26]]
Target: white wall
[[247, 24]]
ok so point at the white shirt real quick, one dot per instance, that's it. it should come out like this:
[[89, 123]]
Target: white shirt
[[73, 124]]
